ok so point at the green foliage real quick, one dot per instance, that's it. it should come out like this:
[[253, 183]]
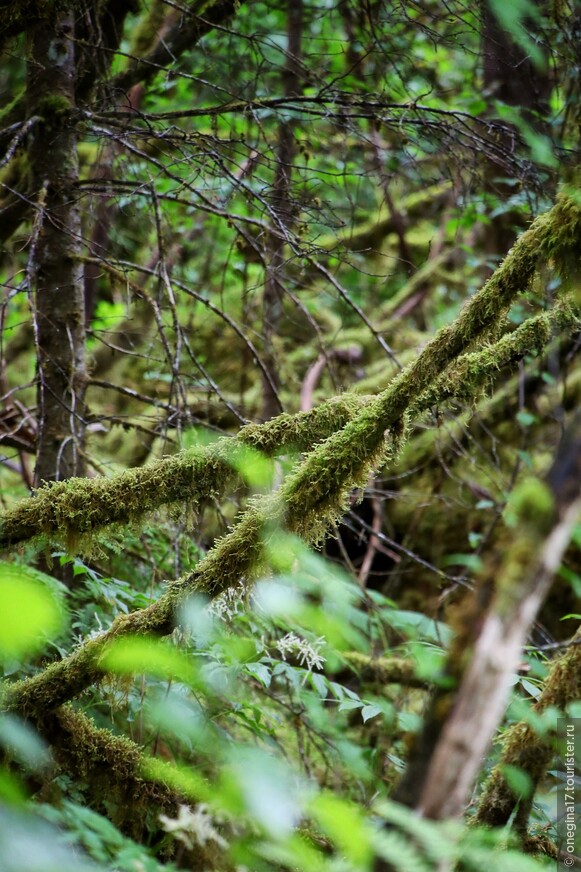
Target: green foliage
[[32, 611], [94, 836]]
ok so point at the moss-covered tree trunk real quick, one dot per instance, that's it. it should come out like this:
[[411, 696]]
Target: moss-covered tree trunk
[[55, 272]]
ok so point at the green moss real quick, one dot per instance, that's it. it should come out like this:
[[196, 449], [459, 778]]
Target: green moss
[[531, 502], [71, 510], [386, 670], [310, 500], [539, 843], [523, 748], [115, 774], [465, 376], [53, 108]]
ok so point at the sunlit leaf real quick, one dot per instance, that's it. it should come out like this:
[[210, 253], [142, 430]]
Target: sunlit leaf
[[136, 655], [30, 613], [344, 823], [259, 671]]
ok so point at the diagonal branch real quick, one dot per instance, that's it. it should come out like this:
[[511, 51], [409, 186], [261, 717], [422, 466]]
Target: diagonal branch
[[240, 553], [185, 32]]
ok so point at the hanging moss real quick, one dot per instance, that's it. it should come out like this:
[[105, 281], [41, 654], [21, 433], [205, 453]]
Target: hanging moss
[[539, 843], [69, 510], [468, 373], [110, 765]]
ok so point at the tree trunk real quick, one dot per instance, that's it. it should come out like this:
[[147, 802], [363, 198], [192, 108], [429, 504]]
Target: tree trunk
[[511, 77], [283, 212], [55, 274]]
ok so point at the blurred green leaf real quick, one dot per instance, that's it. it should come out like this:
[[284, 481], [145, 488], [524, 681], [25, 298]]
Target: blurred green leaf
[[519, 781], [256, 469], [345, 825], [137, 655], [270, 790], [30, 612], [23, 743]]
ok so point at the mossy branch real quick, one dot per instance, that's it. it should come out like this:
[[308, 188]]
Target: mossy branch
[[469, 372], [237, 554], [137, 786], [69, 510], [314, 496], [386, 670], [316, 490], [113, 766], [370, 234]]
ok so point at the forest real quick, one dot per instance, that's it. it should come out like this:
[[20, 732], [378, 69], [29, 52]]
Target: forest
[[290, 455]]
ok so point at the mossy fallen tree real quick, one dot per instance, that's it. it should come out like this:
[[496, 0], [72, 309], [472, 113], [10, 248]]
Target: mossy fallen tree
[[371, 234], [116, 768], [385, 670], [314, 496], [68, 512]]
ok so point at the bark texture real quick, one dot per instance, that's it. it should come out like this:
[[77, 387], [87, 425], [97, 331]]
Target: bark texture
[[55, 272]]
